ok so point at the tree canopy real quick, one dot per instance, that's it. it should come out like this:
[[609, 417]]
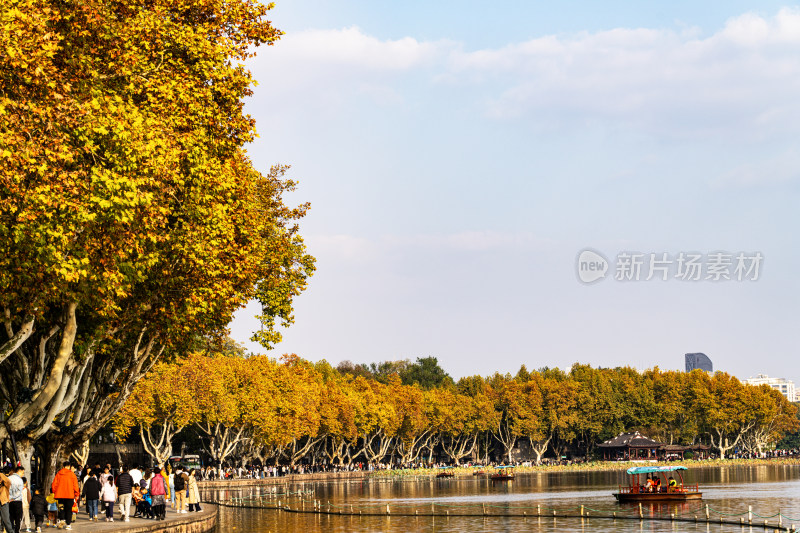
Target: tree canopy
[[131, 218]]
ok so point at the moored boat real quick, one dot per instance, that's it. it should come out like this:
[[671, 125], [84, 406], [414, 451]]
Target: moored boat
[[503, 473], [647, 489], [445, 471]]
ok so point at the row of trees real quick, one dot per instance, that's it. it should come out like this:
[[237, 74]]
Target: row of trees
[[258, 408]]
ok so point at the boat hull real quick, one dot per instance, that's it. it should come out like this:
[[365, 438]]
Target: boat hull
[[501, 478], [657, 497]]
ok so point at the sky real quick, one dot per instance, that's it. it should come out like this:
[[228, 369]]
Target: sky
[[460, 156]]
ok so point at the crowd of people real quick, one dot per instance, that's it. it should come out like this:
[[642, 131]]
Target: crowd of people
[[771, 454], [102, 491], [255, 471]]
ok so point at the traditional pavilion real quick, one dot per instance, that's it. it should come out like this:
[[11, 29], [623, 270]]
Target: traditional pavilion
[[630, 447], [634, 446]]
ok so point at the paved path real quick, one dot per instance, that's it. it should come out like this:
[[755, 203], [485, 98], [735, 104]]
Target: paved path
[[174, 522]]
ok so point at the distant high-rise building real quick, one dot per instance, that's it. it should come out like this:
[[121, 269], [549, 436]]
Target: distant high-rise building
[[784, 386], [698, 360]]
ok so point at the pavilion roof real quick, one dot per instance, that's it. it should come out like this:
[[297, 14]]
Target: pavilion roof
[[631, 440]]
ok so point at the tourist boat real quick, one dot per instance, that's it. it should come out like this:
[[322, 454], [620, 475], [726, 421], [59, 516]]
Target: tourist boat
[[479, 471], [446, 471], [503, 473], [637, 491]]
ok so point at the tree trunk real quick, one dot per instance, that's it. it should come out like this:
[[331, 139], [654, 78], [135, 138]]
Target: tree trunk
[[51, 462], [25, 450], [539, 447], [81, 454]]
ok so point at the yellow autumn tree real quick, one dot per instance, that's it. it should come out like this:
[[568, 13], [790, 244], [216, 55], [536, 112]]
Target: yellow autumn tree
[[131, 217], [161, 405]]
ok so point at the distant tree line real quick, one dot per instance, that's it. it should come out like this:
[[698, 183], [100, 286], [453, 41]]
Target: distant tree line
[[258, 409]]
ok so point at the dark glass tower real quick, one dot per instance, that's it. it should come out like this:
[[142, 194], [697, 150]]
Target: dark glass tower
[[698, 360]]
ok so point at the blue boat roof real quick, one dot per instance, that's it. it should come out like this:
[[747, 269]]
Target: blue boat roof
[[444, 467], [654, 469], [505, 466]]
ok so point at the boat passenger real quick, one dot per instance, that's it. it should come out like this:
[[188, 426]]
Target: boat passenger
[[656, 484], [673, 485]]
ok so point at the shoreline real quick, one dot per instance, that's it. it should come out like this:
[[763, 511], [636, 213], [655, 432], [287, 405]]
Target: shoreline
[[597, 466], [464, 471], [199, 522]]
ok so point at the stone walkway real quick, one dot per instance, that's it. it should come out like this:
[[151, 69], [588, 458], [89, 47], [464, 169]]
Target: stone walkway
[[196, 522]]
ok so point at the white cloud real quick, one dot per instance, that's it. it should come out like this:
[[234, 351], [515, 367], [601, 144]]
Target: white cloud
[[742, 80], [326, 70], [352, 47], [745, 76]]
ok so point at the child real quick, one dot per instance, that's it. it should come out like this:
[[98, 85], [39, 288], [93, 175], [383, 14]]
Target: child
[[147, 505], [39, 508], [136, 496], [52, 510], [109, 495]]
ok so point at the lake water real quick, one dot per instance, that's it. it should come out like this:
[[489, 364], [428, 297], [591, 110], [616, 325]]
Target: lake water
[[769, 489]]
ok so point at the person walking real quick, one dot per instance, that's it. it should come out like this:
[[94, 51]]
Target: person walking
[[165, 470], [65, 489], [158, 492], [194, 492], [109, 495], [5, 486], [38, 509], [180, 480], [91, 491], [15, 497], [124, 488], [171, 485], [136, 474], [26, 505]]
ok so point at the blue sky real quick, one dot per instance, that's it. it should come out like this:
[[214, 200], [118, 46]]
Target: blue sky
[[459, 155]]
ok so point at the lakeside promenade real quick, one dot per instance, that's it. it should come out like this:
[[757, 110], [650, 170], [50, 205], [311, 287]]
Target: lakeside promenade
[[197, 522]]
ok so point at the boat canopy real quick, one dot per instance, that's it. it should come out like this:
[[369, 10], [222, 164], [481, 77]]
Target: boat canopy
[[505, 466], [654, 469], [445, 467]]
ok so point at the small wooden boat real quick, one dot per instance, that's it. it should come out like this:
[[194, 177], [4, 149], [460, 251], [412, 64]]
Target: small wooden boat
[[445, 471], [639, 490], [503, 473]]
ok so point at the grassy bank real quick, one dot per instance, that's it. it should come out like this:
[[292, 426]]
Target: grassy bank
[[593, 466]]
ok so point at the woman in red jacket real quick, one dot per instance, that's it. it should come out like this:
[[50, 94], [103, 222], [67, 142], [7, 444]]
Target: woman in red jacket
[[66, 491], [158, 491]]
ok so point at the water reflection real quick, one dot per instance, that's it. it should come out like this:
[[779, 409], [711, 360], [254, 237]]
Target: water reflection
[[726, 490]]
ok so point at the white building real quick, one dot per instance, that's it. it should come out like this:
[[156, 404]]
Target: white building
[[784, 386]]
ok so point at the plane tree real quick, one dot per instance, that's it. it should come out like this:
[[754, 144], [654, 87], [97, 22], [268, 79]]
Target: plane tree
[[160, 406], [131, 217]]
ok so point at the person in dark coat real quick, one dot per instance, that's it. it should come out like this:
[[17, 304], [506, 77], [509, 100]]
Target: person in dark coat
[[124, 489], [91, 491], [38, 508]]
